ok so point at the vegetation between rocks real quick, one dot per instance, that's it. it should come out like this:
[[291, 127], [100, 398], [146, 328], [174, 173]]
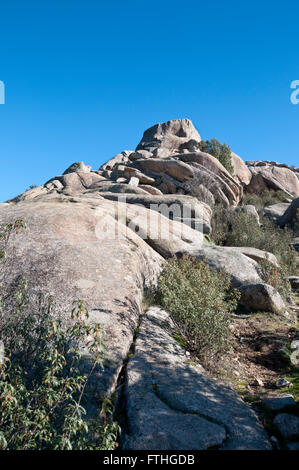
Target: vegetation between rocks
[[42, 381], [200, 301], [220, 151], [240, 229], [267, 198]]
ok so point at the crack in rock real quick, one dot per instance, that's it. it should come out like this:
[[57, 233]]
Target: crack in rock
[[173, 405]]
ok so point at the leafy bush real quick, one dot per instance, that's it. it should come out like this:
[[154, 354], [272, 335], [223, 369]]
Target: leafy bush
[[267, 198], [276, 277], [220, 151], [200, 302], [42, 379], [231, 228]]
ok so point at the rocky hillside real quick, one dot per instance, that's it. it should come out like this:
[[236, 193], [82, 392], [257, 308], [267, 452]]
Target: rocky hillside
[[105, 236]]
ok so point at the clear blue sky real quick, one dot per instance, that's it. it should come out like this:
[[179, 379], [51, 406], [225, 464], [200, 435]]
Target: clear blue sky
[[84, 79]]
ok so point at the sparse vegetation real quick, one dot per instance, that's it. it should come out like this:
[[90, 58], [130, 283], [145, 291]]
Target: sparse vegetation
[[42, 378], [240, 229], [276, 277], [200, 301], [220, 151], [267, 198]]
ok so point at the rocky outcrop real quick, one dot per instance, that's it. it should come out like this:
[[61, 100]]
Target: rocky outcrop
[[269, 176], [167, 161], [241, 171], [272, 163], [68, 251], [275, 211], [170, 136], [78, 167], [103, 236], [172, 404], [209, 171], [178, 207], [290, 217]]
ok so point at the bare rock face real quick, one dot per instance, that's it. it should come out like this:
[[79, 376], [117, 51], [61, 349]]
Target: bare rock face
[[78, 167], [173, 206], [242, 269], [275, 211], [122, 157], [170, 135], [262, 297], [215, 178], [271, 176], [174, 405], [241, 170], [68, 251]]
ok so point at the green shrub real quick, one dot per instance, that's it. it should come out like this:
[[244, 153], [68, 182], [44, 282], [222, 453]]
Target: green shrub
[[220, 151], [45, 369], [200, 302], [276, 277], [267, 198], [230, 228]]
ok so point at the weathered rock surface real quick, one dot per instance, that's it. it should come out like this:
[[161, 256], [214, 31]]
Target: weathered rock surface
[[241, 170], [278, 403], [288, 425], [215, 177], [78, 167], [269, 176], [262, 297], [276, 210], [242, 269], [174, 405], [122, 157], [170, 135], [172, 206], [258, 255], [120, 188], [66, 252], [168, 159], [103, 235]]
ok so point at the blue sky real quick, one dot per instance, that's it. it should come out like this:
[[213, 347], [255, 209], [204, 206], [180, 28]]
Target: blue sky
[[85, 79]]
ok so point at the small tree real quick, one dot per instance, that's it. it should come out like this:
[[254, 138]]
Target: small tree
[[200, 302], [220, 151]]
